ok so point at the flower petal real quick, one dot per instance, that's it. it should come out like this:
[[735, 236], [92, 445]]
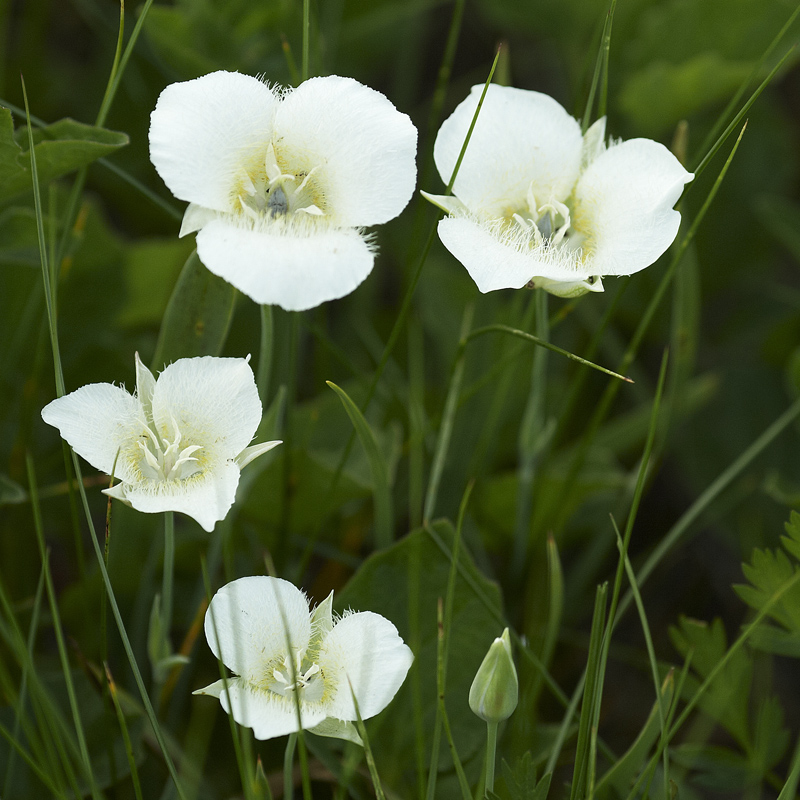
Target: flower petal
[[521, 140], [244, 623], [205, 497], [254, 451], [214, 402], [145, 386], [363, 148], [494, 263], [269, 715], [203, 131], [294, 272], [194, 218], [338, 729], [366, 649], [97, 420], [623, 206]]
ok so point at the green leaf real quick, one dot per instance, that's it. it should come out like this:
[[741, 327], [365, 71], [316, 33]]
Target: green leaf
[[726, 699], [198, 316], [771, 739], [520, 782], [150, 271], [404, 583], [681, 89], [11, 493], [767, 573], [378, 467], [60, 148], [19, 242], [715, 768], [781, 217]]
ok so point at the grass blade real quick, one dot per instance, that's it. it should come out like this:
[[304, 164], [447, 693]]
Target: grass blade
[[378, 468]]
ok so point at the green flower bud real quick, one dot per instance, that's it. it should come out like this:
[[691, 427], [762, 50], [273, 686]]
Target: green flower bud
[[495, 690]]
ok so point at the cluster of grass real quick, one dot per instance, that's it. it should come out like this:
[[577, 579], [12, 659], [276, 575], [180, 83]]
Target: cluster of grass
[[440, 466]]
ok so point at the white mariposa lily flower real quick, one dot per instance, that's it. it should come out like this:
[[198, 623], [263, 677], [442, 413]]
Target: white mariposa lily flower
[[288, 657], [281, 182], [536, 204], [178, 443]]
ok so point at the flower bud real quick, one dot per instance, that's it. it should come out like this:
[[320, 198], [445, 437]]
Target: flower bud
[[494, 692]]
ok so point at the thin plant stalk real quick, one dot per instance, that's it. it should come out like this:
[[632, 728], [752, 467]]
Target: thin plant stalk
[[396, 329], [168, 574], [491, 755]]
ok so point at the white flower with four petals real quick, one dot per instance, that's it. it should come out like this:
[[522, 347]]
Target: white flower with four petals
[[288, 658], [281, 182], [178, 444], [537, 204]]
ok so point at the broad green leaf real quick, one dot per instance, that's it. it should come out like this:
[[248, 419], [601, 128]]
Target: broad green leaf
[[197, 318], [380, 473], [726, 699], [781, 217], [150, 271], [61, 148], [19, 242], [681, 89], [404, 584]]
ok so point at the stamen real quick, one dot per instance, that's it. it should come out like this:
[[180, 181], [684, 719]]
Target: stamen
[[277, 202]]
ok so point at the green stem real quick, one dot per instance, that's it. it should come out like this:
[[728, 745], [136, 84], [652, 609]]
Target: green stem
[[288, 761], [491, 753], [306, 36], [169, 569]]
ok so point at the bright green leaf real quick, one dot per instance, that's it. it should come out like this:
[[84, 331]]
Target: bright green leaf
[[61, 148]]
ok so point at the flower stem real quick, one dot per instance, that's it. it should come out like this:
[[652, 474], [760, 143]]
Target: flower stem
[[306, 36], [491, 751], [288, 760], [169, 568]]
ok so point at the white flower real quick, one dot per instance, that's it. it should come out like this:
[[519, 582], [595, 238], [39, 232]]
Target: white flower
[[281, 181], [287, 656], [178, 444], [535, 203]]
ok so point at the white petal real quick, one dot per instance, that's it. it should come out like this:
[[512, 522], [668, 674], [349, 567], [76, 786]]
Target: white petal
[[244, 623], [568, 289], [366, 648], [496, 264], [204, 131], [145, 385], [214, 401], [295, 273], [205, 497], [594, 142], [97, 420], [623, 206], [322, 617], [449, 203], [254, 451], [269, 715], [337, 729], [194, 218], [522, 140], [364, 149]]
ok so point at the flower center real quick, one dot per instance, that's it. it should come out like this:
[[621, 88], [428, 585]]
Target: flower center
[[165, 459], [308, 684], [274, 194], [547, 224]]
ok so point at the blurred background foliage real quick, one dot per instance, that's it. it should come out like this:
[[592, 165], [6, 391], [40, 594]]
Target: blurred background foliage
[[731, 319]]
